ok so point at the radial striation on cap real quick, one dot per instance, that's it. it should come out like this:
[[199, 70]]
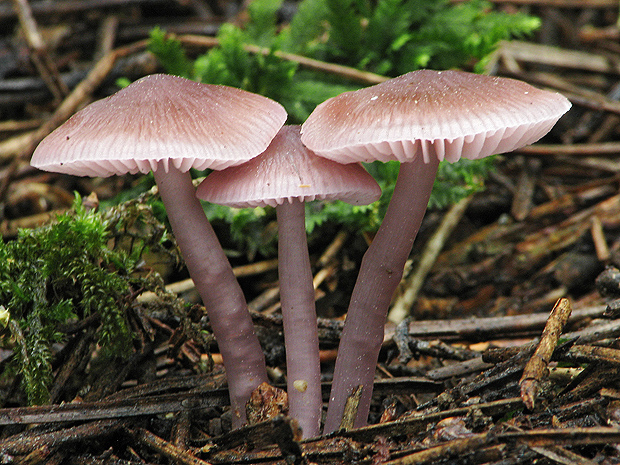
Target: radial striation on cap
[[162, 117], [287, 170], [443, 114]]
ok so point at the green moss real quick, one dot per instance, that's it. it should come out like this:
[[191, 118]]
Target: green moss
[[64, 272]]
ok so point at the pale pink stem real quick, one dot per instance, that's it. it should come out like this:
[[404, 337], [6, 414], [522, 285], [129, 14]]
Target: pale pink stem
[[301, 339], [221, 294], [380, 272]]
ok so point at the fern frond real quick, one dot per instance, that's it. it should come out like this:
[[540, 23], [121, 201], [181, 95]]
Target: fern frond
[[345, 29], [261, 29], [170, 53], [303, 34]]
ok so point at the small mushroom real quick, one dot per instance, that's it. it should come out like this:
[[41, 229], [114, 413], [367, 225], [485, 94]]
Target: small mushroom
[[168, 124], [419, 119], [285, 176]]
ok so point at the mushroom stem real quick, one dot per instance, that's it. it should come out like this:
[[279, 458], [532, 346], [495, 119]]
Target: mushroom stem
[[221, 294], [380, 272], [299, 318]]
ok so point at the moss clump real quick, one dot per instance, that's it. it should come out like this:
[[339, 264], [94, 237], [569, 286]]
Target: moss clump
[[60, 273]]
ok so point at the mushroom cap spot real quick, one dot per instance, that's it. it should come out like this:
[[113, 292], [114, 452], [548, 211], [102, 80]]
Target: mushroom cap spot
[[287, 170], [162, 118], [443, 114]]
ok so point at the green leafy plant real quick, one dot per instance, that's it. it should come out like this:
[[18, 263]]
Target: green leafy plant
[[393, 37], [64, 272], [389, 37], [248, 227], [232, 65]]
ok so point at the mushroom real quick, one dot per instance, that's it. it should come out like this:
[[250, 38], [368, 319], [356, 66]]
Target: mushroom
[[419, 119], [168, 124], [285, 176]]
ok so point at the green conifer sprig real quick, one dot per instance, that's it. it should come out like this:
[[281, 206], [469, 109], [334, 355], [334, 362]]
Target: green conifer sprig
[[389, 37]]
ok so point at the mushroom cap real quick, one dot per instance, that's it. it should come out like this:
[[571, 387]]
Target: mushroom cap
[[287, 170], [162, 117], [443, 114]]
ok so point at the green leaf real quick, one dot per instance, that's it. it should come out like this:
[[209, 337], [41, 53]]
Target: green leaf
[[456, 181], [345, 31], [261, 28], [303, 33], [170, 53]]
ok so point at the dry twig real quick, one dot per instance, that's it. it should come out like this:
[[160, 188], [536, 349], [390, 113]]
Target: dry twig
[[536, 367]]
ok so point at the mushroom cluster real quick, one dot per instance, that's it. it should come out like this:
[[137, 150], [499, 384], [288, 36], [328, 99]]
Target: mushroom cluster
[[168, 125]]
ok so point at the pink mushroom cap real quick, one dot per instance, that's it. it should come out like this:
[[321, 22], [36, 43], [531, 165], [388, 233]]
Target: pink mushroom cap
[[443, 114], [162, 118], [287, 170]]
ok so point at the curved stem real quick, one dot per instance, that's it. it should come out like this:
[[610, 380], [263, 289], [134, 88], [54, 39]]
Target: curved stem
[[221, 294], [299, 319], [380, 272]]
